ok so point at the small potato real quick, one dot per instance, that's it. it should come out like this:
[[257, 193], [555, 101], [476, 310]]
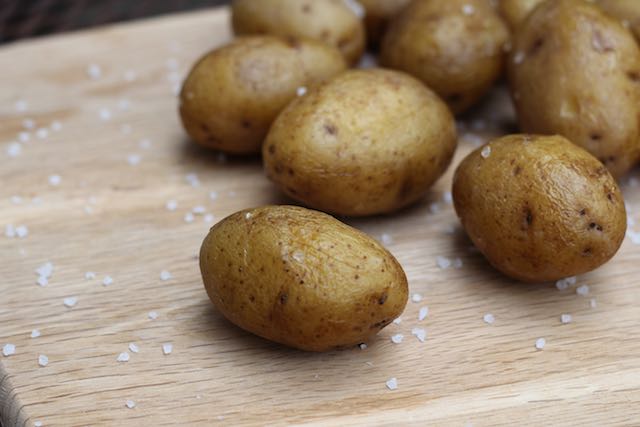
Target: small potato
[[378, 13], [626, 11], [514, 12], [301, 278], [367, 142], [574, 71], [330, 21], [454, 46], [539, 207], [233, 93]]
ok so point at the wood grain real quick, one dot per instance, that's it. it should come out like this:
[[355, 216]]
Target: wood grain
[[109, 217]]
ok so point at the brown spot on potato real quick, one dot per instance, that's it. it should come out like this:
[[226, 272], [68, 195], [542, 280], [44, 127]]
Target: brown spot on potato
[[330, 129], [271, 149], [536, 46], [517, 170], [583, 212], [246, 124], [282, 298], [595, 226], [595, 136], [586, 252], [382, 298], [634, 76]]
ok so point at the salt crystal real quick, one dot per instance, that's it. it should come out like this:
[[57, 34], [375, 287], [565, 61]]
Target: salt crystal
[[468, 9], [22, 231], [10, 231], [104, 114], [355, 7], [94, 71], [28, 124], [123, 357], [213, 195], [199, 210], [167, 348], [176, 88], [165, 275], [192, 179], [362, 346], [208, 218], [133, 348], [37, 424], [152, 315], [14, 149], [134, 159], [392, 383], [457, 263], [582, 290], [16, 200], [423, 313], [130, 404], [42, 133], [592, 303], [443, 262], [489, 318], [298, 256], [145, 143], [56, 126], [416, 297], [434, 207], [171, 205], [397, 320], [486, 151], [21, 105], [89, 275], [540, 343], [24, 136], [43, 360], [248, 215], [419, 333], [447, 197], [70, 302], [386, 239], [634, 236], [55, 180], [518, 57], [8, 350], [35, 333], [42, 281], [188, 217], [301, 91], [45, 270], [566, 318], [397, 338], [107, 281]]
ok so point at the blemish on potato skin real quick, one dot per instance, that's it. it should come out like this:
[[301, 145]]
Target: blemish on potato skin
[[282, 298], [330, 129], [536, 46]]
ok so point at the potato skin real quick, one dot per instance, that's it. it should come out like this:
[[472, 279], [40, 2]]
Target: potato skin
[[329, 21], [574, 71], [301, 278], [626, 11], [539, 207], [378, 15], [367, 142], [514, 12], [233, 93], [459, 55]]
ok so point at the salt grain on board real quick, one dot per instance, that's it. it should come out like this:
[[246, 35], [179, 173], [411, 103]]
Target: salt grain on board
[[443, 262], [130, 404], [416, 297], [45, 270], [134, 159], [489, 318], [188, 217], [133, 348], [107, 281], [397, 338], [540, 343], [362, 346], [42, 133], [592, 303], [152, 315], [28, 124], [70, 302], [582, 290], [386, 239], [14, 149], [37, 424], [199, 210], [167, 349], [392, 383], [208, 218], [8, 350], [43, 360], [397, 320], [192, 179], [130, 76], [145, 143], [56, 126], [165, 275], [123, 357], [419, 333], [22, 231], [16, 200], [486, 152], [104, 114], [55, 180], [42, 281], [35, 333], [94, 71], [423, 313], [24, 136], [171, 205], [566, 318], [213, 195], [89, 275]]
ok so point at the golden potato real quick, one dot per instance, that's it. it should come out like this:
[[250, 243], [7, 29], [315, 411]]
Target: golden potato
[[626, 11], [301, 278], [539, 207], [233, 93], [367, 142], [330, 21], [378, 13], [574, 71], [454, 46], [515, 11]]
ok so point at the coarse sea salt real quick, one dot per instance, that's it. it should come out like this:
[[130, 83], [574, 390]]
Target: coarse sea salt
[[423, 313], [188, 217], [301, 91], [199, 210], [89, 275], [123, 357], [566, 318], [8, 350], [56, 126], [14, 149], [582, 290], [419, 333], [70, 302], [42, 281], [165, 275], [42, 133], [134, 159], [397, 338], [489, 318], [43, 360], [104, 114], [593, 303], [45, 270], [28, 124], [94, 71], [386, 239], [171, 205], [108, 280], [397, 320], [37, 424], [392, 383], [540, 343], [152, 315], [416, 297], [35, 333], [133, 348], [362, 346], [443, 262], [167, 349], [486, 151], [55, 180], [24, 136], [130, 404]]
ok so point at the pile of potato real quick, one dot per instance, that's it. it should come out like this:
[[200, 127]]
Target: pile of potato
[[541, 206]]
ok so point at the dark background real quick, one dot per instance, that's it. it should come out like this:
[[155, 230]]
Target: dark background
[[29, 18]]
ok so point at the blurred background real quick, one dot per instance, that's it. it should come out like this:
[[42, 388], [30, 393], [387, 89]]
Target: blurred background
[[20, 19]]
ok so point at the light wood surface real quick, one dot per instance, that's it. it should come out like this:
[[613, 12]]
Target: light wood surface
[[109, 217]]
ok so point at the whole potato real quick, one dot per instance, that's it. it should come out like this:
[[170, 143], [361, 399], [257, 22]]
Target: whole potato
[[378, 13], [233, 94], [574, 71], [330, 21], [626, 11], [515, 11], [301, 278], [454, 46], [366, 142], [539, 207]]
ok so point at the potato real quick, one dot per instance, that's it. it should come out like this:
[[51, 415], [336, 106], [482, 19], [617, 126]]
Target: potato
[[574, 71], [378, 13], [514, 12], [330, 21], [626, 11], [454, 46], [539, 207], [367, 142], [301, 278], [233, 93]]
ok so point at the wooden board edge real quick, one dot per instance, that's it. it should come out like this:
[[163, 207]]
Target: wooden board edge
[[11, 410]]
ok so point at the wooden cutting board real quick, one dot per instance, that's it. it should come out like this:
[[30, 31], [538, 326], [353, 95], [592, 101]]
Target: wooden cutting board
[[104, 113]]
